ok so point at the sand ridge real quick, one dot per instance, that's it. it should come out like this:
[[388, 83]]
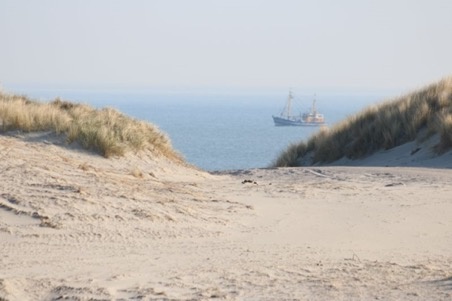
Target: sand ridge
[[76, 226]]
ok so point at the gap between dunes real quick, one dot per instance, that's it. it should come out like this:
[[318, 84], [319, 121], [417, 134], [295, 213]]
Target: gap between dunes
[[77, 226]]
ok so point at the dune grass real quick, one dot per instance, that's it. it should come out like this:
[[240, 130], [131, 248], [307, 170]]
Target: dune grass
[[105, 131], [384, 126]]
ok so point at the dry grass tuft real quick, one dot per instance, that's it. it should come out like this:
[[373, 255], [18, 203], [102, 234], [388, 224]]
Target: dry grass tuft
[[85, 166], [105, 131], [137, 173], [387, 125]]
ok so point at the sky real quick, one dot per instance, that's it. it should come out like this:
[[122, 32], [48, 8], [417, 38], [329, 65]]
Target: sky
[[225, 44]]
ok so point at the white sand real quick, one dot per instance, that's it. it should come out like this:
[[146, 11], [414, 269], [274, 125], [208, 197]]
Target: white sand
[[76, 226]]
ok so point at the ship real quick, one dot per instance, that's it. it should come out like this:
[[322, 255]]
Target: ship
[[311, 118]]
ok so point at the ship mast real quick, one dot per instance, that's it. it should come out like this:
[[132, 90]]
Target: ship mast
[[313, 109], [289, 104], [287, 110]]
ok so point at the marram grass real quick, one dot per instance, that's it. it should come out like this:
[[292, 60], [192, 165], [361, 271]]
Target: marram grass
[[105, 131], [384, 126]]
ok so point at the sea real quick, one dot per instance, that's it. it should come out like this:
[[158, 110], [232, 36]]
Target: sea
[[221, 131]]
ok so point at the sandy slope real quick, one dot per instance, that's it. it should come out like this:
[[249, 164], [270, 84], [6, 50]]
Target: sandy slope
[[76, 226]]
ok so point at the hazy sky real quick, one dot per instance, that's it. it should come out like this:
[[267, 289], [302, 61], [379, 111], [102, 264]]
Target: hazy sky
[[257, 44]]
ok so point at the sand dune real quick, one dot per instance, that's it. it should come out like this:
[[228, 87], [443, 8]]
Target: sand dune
[[76, 226], [413, 154]]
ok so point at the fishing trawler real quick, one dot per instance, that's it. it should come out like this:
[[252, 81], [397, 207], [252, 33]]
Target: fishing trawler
[[311, 118]]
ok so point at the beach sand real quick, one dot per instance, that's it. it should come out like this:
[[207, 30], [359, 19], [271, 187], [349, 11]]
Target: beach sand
[[77, 226]]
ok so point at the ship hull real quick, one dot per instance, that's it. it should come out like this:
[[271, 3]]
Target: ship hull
[[279, 121]]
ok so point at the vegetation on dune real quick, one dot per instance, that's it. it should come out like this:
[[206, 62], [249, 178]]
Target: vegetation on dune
[[384, 126], [105, 131]]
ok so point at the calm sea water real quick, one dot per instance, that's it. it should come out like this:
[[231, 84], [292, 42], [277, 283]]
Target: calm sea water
[[221, 132]]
